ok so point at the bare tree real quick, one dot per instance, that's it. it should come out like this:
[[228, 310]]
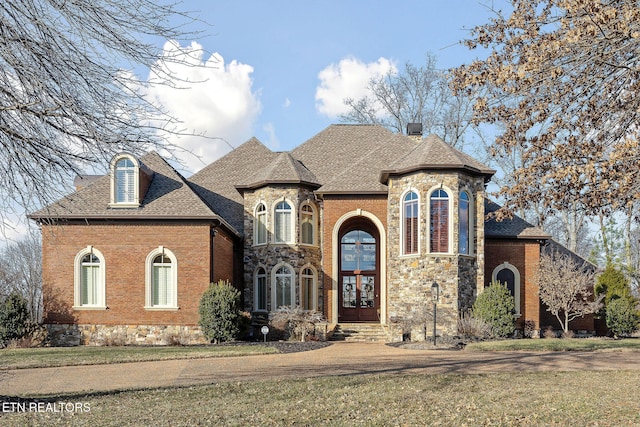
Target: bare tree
[[563, 77], [66, 101], [566, 288], [415, 95], [21, 272]]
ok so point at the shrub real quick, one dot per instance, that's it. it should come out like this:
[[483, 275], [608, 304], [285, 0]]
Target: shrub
[[622, 318], [495, 306], [219, 312], [300, 323], [471, 327], [14, 319]]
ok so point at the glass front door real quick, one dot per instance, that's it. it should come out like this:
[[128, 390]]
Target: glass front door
[[359, 294]]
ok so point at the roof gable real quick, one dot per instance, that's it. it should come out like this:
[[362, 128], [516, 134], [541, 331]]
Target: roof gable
[[433, 153], [168, 196]]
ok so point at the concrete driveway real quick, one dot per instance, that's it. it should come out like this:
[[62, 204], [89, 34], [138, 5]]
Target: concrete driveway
[[338, 359]]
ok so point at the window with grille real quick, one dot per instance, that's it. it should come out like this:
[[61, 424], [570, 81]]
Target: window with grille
[[410, 234], [439, 222]]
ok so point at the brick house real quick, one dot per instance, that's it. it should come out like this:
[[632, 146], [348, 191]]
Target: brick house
[[357, 223]]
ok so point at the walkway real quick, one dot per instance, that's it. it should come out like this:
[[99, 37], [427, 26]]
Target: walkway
[[338, 359]]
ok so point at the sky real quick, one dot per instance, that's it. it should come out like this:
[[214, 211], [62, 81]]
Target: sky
[[280, 70]]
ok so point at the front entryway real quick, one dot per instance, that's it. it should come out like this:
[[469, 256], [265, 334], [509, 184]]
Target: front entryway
[[359, 276]]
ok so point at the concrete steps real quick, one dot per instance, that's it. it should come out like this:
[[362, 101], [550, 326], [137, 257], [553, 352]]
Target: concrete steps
[[359, 332]]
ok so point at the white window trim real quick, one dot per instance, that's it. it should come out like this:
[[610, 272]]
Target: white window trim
[[314, 293], [402, 225], [256, 224], [77, 294], [255, 288], [292, 219], [274, 284], [148, 294], [452, 214], [314, 223], [136, 182], [516, 284], [472, 222]]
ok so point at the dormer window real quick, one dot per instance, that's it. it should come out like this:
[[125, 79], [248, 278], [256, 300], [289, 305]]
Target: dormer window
[[125, 181], [128, 179]]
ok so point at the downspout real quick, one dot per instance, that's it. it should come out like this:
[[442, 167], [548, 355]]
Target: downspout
[[212, 248]]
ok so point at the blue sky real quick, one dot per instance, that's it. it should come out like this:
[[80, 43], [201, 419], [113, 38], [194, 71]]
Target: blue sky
[[279, 70]]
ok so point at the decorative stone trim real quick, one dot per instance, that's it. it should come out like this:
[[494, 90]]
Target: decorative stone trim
[[102, 335]]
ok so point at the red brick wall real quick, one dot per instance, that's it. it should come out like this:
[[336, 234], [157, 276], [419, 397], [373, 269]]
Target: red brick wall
[[335, 207], [525, 256], [125, 248]]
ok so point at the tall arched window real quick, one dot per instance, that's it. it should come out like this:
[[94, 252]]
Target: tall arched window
[[125, 171], [507, 274], [161, 280], [283, 290], [260, 290], [282, 222], [260, 232], [464, 224], [410, 235], [439, 222], [89, 279], [308, 293], [307, 224]]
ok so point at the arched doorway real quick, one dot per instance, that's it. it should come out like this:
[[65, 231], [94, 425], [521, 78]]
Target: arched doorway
[[359, 272]]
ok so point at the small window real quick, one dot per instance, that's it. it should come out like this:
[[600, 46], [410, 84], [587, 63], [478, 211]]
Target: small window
[[260, 232], [307, 225], [464, 224], [507, 274], [283, 288], [308, 289], [125, 181], [260, 290], [161, 280], [89, 280], [410, 237], [283, 216], [439, 222]]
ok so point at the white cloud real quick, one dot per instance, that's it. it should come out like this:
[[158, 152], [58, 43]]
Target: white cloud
[[210, 98], [273, 142], [347, 79]]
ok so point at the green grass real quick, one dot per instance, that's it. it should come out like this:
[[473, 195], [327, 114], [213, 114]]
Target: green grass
[[574, 344], [532, 399], [69, 356]]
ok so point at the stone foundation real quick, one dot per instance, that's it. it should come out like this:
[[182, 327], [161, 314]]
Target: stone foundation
[[106, 335]]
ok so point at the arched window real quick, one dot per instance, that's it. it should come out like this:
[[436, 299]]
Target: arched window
[[283, 290], [410, 234], [282, 222], [307, 224], [89, 279], [464, 224], [161, 280], [508, 274], [260, 290], [260, 232], [125, 171], [308, 292], [439, 222]]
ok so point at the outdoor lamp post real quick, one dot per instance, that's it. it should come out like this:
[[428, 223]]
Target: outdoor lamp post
[[435, 293]]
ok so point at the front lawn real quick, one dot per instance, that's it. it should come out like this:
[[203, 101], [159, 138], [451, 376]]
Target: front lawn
[[83, 355], [538, 399], [556, 344]]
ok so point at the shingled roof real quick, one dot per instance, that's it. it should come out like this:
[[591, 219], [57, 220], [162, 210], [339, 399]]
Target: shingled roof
[[514, 227], [348, 158], [216, 183], [433, 153], [284, 169], [169, 196]]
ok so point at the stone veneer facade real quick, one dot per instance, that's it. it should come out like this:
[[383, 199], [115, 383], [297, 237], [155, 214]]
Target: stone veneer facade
[[410, 276], [270, 255]]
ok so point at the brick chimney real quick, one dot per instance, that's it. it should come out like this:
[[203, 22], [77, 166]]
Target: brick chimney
[[414, 131]]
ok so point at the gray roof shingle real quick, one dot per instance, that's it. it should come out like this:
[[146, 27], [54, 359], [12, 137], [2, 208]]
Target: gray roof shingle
[[515, 227], [284, 169], [168, 196]]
